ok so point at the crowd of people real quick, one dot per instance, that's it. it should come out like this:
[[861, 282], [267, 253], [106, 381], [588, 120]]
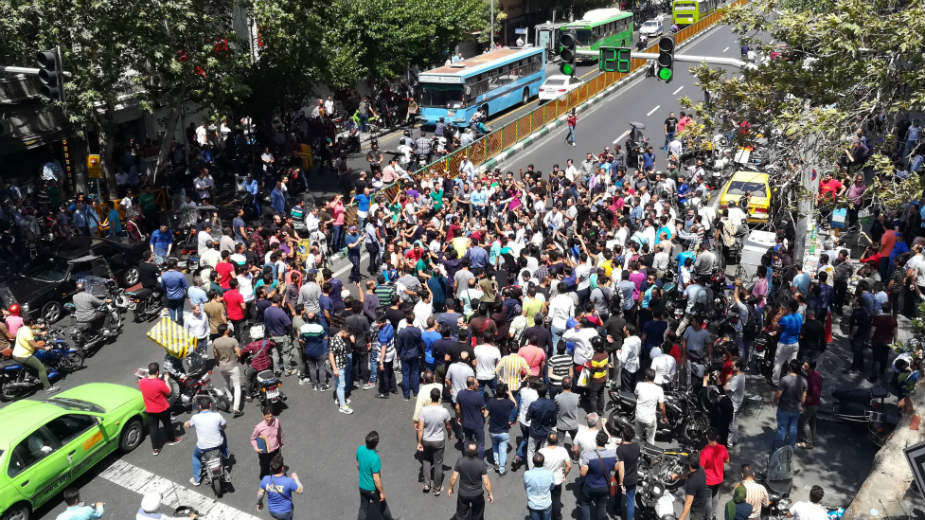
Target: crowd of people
[[505, 300]]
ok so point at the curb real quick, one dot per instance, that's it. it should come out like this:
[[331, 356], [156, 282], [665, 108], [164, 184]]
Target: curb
[[548, 127]]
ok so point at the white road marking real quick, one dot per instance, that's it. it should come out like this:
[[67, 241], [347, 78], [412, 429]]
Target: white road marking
[[141, 481], [622, 137], [650, 112], [675, 93], [726, 49]]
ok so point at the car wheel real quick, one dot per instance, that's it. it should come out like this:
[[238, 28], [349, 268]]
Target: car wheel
[[17, 512], [51, 312], [132, 435], [131, 276]]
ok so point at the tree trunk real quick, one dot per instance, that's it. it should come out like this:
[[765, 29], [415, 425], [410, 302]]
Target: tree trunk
[[107, 147], [169, 133], [891, 476]]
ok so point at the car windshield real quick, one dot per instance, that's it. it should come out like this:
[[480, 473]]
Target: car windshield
[[756, 189], [553, 82], [650, 25], [47, 269], [69, 403]]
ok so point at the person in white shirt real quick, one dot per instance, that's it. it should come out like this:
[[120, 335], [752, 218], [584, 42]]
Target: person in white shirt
[[629, 358], [664, 365], [561, 308], [211, 256], [556, 460], [586, 438], [486, 361], [329, 106], [649, 397], [810, 510], [675, 148], [581, 337], [423, 309], [201, 135]]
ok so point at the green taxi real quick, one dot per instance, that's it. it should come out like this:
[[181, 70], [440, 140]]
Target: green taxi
[[47, 444]]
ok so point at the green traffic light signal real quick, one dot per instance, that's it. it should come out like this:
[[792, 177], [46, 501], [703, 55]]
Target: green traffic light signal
[[664, 74], [567, 68]]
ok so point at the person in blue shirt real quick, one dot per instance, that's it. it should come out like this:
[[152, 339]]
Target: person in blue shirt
[[353, 242], [161, 241], [252, 188], [538, 484], [801, 282], [277, 199], [76, 510], [174, 285], [115, 222], [363, 201], [278, 488], [648, 159], [789, 343]]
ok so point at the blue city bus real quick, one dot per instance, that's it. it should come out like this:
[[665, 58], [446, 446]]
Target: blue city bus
[[497, 80]]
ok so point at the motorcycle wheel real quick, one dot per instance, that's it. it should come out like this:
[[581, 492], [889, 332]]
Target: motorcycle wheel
[[695, 428], [72, 362], [217, 487], [7, 393], [616, 422]]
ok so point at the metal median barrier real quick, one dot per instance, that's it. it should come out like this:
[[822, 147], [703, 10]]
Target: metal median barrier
[[511, 133]]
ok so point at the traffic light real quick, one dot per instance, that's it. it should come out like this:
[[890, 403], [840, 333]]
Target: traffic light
[[567, 52], [50, 74], [665, 58]]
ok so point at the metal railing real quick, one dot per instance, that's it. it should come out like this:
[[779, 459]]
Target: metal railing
[[513, 132]]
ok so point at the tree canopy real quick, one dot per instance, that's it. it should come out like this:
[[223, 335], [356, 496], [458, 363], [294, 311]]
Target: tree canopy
[[844, 65]]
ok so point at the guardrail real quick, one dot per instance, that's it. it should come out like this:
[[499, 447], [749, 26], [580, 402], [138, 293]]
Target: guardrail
[[503, 138]]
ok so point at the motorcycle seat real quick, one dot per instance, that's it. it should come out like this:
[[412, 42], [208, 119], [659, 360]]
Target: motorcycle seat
[[265, 375], [627, 398], [878, 392], [142, 292], [9, 365]]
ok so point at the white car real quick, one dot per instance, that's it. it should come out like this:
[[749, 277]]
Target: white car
[[557, 86], [652, 28]]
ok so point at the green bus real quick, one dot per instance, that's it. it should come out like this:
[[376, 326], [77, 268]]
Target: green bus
[[686, 12], [608, 27]]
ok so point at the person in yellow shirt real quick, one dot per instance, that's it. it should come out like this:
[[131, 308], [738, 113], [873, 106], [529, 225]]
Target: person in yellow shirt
[[24, 350]]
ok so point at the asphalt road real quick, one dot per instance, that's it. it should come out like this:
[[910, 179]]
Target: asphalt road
[[320, 442]]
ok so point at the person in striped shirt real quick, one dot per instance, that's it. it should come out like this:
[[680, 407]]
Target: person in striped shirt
[[512, 370]]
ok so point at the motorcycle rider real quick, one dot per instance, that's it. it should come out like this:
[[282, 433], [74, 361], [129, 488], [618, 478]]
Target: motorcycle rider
[[422, 147], [210, 434], [24, 350], [86, 309]]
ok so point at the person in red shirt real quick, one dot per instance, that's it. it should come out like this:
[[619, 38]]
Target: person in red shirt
[[830, 188], [260, 360], [154, 392], [534, 356], [713, 459], [225, 270], [234, 307]]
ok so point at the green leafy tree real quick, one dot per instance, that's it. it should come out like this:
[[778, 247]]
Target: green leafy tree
[[156, 53], [844, 65]]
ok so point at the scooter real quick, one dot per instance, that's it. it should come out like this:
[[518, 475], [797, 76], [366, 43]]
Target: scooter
[[271, 393]]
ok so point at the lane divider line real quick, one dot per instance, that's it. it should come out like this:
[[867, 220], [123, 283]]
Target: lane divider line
[[656, 107], [675, 93]]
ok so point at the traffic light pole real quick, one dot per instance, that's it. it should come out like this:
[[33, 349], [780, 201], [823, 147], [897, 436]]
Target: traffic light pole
[[690, 58], [687, 58]]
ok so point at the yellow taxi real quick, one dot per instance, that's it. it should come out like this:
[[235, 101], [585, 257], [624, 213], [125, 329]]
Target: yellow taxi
[[755, 186]]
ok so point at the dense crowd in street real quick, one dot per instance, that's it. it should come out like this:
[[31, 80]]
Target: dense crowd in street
[[515, 303]]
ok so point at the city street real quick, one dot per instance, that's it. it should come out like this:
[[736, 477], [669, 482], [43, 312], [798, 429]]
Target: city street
[[320, 443]]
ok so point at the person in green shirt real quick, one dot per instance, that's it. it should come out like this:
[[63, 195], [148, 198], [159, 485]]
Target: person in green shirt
[[372, 495], [148, 207], [437, 197]]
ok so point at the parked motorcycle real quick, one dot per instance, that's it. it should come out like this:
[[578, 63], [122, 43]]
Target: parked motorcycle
[[685, 423], [215, 470], [271, 393]]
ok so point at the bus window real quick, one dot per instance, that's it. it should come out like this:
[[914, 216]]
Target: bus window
[[584, 36], [441, 95]]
